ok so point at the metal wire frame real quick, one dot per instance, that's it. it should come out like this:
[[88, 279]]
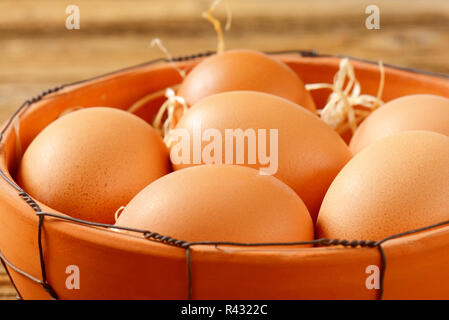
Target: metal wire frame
[[167, 240]]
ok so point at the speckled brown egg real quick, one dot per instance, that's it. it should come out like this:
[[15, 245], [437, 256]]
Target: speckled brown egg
[[243, 69], [90, 162], [414, 112], [305, 153], [220, 203], [397, 184]]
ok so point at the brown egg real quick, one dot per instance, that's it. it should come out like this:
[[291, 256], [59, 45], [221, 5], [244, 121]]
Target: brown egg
[[299, 148], [220, 203], [90, 162], [244, 70], [397, 184], [414, 112]]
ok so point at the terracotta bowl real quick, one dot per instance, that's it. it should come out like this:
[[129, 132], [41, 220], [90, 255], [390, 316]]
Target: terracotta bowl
[[39, 248]]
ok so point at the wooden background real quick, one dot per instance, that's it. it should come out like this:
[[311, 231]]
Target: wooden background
[[37, 51]]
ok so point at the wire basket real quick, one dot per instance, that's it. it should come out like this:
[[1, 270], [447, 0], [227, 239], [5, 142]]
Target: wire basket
[[38, 244]]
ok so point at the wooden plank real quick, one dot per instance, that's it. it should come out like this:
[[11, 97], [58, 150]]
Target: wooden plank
[[102, 14], [7, 292]]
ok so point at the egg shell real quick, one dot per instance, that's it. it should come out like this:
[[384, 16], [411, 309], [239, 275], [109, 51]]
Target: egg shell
[[244, 70], [310, 153], [90, 162], [413, 112], [220, 203], [397, 184]]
